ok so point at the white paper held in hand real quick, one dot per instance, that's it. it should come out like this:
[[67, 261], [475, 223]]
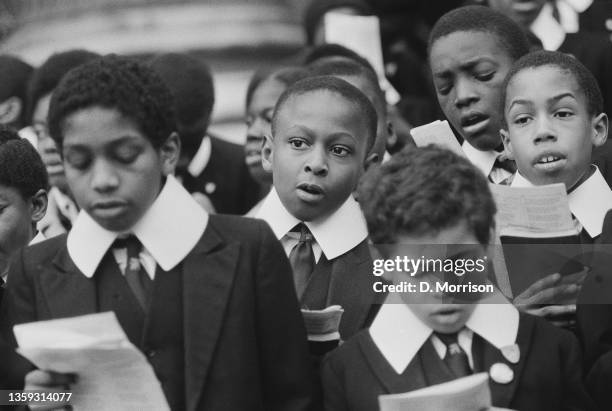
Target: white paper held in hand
[[112, 373], [437, 133]]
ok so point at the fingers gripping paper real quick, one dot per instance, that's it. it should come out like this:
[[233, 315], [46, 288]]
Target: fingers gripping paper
[[112, 373]]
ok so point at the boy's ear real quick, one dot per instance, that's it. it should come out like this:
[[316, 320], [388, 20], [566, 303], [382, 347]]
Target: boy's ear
[[505, 136], [169, 153], [600, 129], [266, 153], [38, 203], [10, 110]]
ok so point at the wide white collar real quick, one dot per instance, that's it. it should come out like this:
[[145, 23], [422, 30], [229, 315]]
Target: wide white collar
[[169, 230], [399, 334], [589, 202], [483, 160], [338, 233]]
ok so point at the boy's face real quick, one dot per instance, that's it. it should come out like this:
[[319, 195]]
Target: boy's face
[[550, 131], [523, 12], [468, 70], [317, 154], [382, 126], [258, 120], [436, 309], [113, 170], [17, 216]]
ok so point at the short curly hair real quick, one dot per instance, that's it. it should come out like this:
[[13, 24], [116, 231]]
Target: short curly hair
[[482, 19], [566, 63], [114, 82], [422, 191], [22, 168], [348, 92]]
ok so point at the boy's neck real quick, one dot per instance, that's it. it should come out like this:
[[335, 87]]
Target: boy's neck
[[585, 176]]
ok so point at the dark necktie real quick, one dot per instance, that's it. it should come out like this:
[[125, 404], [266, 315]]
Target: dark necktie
[[505, 164], [455, 359], [136, 276], [302, 259]]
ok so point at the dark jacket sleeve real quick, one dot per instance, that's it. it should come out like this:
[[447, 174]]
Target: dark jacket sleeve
[[334, 395]]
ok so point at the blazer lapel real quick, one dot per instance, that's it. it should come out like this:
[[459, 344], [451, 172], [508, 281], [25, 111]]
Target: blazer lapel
[[502, 394], [67, 291], [351, 287], [411, 379], [208, 275]]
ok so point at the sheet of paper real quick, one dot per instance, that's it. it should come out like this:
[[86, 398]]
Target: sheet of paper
[[438, 133], [463, 394], [323, 325], [543, 209], [362, 35], [112, 373]]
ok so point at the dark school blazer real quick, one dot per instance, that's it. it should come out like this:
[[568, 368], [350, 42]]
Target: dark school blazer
[[245, 343]]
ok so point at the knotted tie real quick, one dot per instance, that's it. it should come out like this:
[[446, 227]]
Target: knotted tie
[[302, 259], [455, 359], [137, 278]]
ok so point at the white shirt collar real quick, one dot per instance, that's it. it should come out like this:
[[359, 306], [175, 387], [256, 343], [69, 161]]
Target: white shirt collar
[[169, 230], [589, 202], [338, 233], [548, 29], [483, 160], [201, 158], [38, 238], [399, 334]]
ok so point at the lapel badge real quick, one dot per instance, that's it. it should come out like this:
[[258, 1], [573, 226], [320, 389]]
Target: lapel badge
[[210, 187], [501, 373], [512, 353]]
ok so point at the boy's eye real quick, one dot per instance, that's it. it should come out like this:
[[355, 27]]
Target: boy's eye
[[485, 76], [78, 159], [126, 153], [340, 151], [521, 120], [444, 89], [564, 114], [298, 143]]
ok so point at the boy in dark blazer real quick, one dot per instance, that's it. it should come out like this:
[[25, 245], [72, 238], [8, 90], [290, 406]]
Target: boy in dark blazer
[[323, 131], [209, 166], [419, 199], [207, 299]]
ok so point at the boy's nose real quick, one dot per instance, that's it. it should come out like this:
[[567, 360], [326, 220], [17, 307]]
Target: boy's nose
[[104, 177], [317, 163], [258, 127], [544, 132], [465, 94]]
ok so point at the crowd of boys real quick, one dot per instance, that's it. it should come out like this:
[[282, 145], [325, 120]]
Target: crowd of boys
[[136, 192]]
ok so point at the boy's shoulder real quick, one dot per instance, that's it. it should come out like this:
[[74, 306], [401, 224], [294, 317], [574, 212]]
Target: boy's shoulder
[[541, 334], [359, 346], [232, 227]]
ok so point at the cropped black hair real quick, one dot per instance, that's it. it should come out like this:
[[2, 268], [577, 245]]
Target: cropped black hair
[[46, 77], [15, 75], [584, 78], [482, 19], [22, 168], [114, 82], [191, 84], [329, 50], [342, 66], [421, 191], [335, 85], [285, 75]]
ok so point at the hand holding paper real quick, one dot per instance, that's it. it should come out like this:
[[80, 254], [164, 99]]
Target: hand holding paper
[[112, 374]]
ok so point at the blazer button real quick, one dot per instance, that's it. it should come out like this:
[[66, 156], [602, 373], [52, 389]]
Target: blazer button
[[151, 353]]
